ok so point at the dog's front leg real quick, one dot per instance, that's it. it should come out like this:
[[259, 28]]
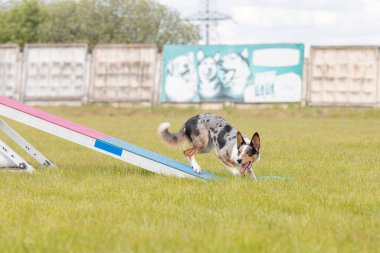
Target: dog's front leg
[[252, 174], [233, 170]]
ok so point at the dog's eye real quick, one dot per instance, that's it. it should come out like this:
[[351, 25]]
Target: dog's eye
[[252, 152]]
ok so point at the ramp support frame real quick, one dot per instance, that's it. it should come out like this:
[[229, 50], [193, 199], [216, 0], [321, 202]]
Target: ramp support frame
[[10, 155]]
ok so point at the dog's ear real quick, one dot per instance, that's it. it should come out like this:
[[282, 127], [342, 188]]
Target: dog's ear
[[169, 68], [200, 55], [244, 53], [239, 139], [190, 56], [255, 141], [217, 57]]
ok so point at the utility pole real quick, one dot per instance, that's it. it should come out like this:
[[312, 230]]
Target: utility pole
[[208, 18]]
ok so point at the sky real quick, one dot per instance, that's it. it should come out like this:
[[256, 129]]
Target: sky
[[312, 22]]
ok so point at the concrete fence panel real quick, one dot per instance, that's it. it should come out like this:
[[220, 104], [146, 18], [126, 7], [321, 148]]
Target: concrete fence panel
[[378, 81], [343, 76], [123, 73], [10, 71], [55, 72]]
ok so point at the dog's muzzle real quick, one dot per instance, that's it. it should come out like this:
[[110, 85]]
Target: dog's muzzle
[[245, 167]]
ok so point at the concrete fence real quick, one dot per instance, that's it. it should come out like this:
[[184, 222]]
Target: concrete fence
[[343, 76], [123, 73], [66, 73], [55, 73], [10, 71]]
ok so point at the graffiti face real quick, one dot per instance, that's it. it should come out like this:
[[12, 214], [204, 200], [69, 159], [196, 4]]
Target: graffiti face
[[182, 66], [181, 79], [207, 68], [235, 73], [209, 84]]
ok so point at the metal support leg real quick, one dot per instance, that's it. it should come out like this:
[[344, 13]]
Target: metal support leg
[[5, 162], [20, 163], [25, 145]]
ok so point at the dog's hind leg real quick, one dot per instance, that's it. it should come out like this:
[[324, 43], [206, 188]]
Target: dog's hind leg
[[190, 155]]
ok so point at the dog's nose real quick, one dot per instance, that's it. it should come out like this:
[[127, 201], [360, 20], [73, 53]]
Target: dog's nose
[[239, 161]]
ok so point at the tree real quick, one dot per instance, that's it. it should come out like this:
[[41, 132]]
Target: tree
[[98, 21], [20, 24]]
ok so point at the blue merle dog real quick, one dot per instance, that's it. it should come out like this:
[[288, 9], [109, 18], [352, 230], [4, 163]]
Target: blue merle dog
[[207, 131]]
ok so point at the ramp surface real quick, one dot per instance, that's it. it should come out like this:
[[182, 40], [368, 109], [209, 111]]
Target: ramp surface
[[97, 141]]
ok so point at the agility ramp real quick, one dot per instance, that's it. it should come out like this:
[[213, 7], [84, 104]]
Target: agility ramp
[[94, 140]]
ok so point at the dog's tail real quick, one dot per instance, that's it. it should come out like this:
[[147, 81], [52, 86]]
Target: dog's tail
[[170, 138]]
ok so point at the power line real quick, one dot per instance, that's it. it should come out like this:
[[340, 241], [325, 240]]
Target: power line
[[208, 18]]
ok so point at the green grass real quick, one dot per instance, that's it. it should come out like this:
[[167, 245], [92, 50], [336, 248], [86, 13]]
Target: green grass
[[94, 203]]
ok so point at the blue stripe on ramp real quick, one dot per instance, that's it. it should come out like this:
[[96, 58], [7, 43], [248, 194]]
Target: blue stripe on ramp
[[109, 148], [123, 145]]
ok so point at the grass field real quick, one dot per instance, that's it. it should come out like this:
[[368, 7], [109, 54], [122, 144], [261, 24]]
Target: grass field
[[94, 203]]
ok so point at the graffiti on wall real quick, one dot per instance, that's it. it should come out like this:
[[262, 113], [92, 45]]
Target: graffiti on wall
[[245, 73]]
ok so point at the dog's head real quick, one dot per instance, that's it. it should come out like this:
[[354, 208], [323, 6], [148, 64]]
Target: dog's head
[[248, 153], [234, 65], [207, 66], [182, 66]]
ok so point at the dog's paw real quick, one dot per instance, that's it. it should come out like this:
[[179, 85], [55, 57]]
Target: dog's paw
[[197, 168], [236, 172], [252, 175]]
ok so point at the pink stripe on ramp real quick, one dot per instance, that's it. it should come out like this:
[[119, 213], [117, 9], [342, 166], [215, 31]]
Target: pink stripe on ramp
[[51, 118]]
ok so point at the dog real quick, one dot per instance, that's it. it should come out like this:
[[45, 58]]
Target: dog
[[207, 131], [181, 83], [235, 74], [210, 86]]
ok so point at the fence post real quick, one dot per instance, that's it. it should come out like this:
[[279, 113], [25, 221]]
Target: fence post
[[377, 102], [158, 79], [88, 79], [304, 87]]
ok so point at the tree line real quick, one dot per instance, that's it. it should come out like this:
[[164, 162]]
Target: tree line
[[93, 22]]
